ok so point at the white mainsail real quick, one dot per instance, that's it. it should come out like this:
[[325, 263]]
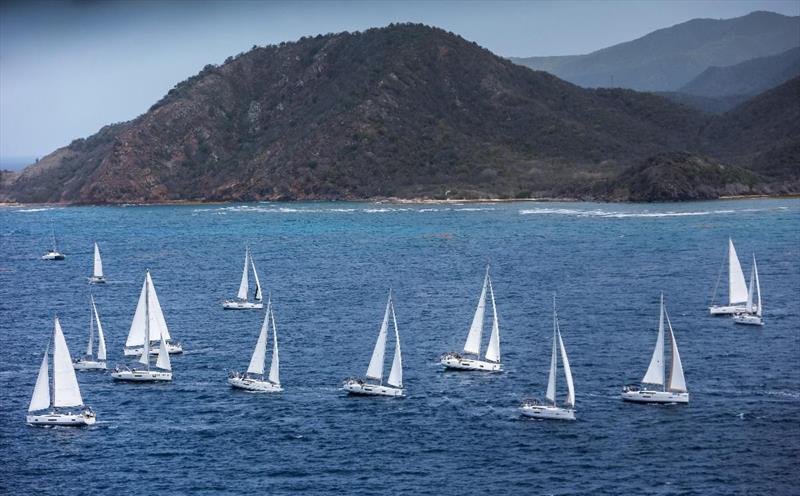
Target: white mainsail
[[567, 373], [655, 372], [66, 392], [493, 351], [98, 263], [396, 373], [157, 324], [677, 382], [41, 392], [260, 352], [473, 344], [274, 367], [758, 287], [101, 340], [551, 380], [737, 288], [259, 296], [244, 287], [163, 356], [375, 369]]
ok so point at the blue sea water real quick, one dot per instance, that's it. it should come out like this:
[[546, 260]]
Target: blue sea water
[[329, 267]]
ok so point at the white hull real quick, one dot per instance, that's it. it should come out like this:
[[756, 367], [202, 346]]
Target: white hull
[[172, 349], [141, 375], [89, 365], [546, 412], [53, 255], [86, 417], [727, 310], [643, 396], [357, 387], [254, 385], [97, 280], [241, 305], [461, 363], [747, 319]]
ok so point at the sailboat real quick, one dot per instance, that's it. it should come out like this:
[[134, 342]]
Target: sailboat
[[149, 317], [53, 254], [64, 401], [752, 313], [673, 390], [373, 383], [97, 270], [241, 302], [551, 410], [88, 361], [737, 290], [472, 347], [164, 372], [253, 379]]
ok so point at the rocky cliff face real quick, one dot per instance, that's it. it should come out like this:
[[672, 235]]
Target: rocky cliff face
[[407, 111]]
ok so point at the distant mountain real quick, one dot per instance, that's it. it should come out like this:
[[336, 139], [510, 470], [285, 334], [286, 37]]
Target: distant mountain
[[667, 59], [403, 111], [706, 104], [746, 78]]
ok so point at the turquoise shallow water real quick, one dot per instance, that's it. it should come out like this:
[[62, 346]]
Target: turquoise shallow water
[[329, 267]]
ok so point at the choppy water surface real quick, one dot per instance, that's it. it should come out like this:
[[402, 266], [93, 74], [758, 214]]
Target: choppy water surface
[[329, 267]]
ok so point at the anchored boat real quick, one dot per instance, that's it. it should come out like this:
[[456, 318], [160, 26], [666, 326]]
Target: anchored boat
[[149, 315], [673, 390], [551, 410], [253, 379], [373, 385], [97, 269], [90, 361], [53, 254], [472, 347], [241, 302], [64, 402], [752, 313]]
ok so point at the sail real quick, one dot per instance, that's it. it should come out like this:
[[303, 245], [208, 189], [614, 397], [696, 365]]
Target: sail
[[751, 290], [243, 286], [101, 340], [677, 382], [98, 263], [567, 373], [163, 356], [158, 326], [41, 392], [375, 369], [473, 344], [260, 352], [396, 373], [136, 332], [758, 288], [144, 358], [156, 317], [655, 372], [737, 289], [66, 392], [259, 295], [493, 351], [551, 380], [274, 367], [90, 344]]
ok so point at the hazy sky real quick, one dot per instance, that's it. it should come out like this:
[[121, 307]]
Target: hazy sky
[[68, 68]]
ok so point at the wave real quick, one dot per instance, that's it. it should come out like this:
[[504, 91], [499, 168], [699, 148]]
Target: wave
[[623, 215], [43, 209]]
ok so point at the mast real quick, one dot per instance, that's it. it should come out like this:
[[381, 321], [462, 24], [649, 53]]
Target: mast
[[53, 235], [145, 358], [473, 344]]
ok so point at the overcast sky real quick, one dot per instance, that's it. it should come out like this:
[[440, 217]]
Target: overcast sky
[[68, 68]]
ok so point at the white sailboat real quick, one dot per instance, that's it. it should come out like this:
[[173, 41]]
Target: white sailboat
[[149, 316], [64, 402], [253, 379], [737, 290], [163, 365], [241, 302], [97, 269], [373, 383], [53, 254], [752, 313], [472, 347], [551, 410], [90, 361], [673, 389]]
